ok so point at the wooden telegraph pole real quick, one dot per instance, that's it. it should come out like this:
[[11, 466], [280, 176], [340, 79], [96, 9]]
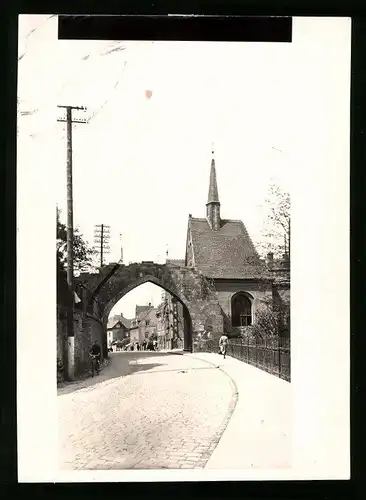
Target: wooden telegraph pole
[[69, 356], [101, 240], [70, 224]]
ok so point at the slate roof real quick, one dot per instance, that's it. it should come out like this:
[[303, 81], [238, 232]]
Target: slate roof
[[140, 309], [126, 322], [114, 320], [112, 323], [228, 253], [145, 314]]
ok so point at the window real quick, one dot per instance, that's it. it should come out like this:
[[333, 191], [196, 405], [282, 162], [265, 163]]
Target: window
[[241, 310], [147, 322]]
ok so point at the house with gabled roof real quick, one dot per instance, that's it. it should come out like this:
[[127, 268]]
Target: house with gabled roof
[[118, 328], [223, 252], [144, 325]]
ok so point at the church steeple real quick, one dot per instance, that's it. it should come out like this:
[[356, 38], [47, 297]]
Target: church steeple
[[213, 204]]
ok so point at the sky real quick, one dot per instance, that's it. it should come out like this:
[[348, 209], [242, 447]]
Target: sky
[[141, 165]]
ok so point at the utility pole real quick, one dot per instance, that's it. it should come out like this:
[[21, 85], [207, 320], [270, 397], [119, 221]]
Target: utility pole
[[120, 239], [101, 240], [68, 357], [70, 229]]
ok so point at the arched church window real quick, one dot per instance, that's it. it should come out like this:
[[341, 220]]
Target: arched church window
[[241, 310]]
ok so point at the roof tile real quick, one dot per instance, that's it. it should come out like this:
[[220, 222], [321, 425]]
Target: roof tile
[[228, 253]]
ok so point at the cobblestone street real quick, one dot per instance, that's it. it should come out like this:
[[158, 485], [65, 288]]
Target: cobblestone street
[[145, 410]]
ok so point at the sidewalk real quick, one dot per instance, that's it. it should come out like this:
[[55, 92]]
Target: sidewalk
[[171, 351], [258, 434]]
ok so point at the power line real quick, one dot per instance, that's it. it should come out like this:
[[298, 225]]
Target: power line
[[98, 110], [93, 115]]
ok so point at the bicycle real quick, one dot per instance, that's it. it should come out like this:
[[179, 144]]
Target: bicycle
[[95, 366]]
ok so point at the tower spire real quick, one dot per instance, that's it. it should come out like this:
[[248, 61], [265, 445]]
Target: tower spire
[[213, 193], [213, 203]]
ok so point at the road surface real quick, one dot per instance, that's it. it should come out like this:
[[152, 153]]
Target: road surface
[[144, 410]]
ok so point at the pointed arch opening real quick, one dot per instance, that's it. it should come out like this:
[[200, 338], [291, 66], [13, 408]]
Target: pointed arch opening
[[241, 309], [171, 325]]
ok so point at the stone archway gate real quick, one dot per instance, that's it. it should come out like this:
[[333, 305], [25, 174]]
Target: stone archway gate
[[100, 292]]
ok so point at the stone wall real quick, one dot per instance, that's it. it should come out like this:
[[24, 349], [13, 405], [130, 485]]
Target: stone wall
[[180, 321], [187, 285], [261, 292], [63, 317], [87, 329], [82, 345], [61, 344], [200, 314], [203, 303]]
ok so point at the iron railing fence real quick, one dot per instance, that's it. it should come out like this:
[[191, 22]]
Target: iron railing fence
[[271, 355]]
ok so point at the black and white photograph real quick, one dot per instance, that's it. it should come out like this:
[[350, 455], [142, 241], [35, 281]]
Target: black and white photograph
[[183, 220]]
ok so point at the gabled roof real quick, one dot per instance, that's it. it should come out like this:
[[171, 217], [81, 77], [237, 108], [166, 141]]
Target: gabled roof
[[112, 323], [126, 322], [227, 253], [145, 314], [118, 321], [140, 309]]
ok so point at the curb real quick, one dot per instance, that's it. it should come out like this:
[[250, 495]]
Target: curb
[[179, 353], [232, 405], [84, 376]]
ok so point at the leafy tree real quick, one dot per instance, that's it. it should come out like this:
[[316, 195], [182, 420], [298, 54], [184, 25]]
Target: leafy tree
[[277, 230], [83, 254]]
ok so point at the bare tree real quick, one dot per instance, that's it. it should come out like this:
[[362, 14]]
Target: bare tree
[[277, 230]]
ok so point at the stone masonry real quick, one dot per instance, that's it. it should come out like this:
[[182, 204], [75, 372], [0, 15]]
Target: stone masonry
[[189, 286]]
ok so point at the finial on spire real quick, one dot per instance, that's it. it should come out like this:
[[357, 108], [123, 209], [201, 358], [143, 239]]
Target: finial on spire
[[213, 148]]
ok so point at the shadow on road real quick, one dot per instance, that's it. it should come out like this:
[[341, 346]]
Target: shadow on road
[[143, 367], [120, 364]]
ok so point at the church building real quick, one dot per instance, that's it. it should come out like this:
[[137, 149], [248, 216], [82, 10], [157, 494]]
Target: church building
[[222, 250]]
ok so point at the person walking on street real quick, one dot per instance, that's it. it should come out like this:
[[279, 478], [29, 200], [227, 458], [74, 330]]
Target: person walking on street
[[223, 342], [95, 351]]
